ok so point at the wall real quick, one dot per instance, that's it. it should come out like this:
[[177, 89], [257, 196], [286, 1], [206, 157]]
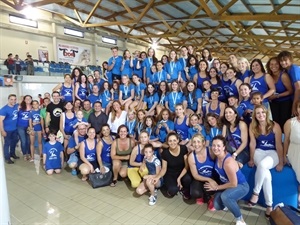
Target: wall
[[18, 39]]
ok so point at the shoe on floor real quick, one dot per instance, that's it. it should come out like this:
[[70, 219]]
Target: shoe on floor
[[15, 157], [199, 201], [9, 161], [210, 205], [152, 200], [239, 222], [74, 172]]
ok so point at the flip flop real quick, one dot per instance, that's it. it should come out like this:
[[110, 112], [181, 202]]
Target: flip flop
[[113, 183]]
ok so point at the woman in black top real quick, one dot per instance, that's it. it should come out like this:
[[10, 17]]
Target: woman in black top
[[175, 168]]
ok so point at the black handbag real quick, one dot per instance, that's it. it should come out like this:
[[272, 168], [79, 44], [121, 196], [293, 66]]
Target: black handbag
[[100, 179]]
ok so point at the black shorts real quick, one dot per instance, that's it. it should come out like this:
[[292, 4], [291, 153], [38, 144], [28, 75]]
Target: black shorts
[[94, 163]]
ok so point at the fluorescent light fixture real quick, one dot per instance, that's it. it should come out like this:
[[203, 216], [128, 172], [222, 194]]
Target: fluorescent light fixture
[[75, 33], [22, 21], [109, 40]]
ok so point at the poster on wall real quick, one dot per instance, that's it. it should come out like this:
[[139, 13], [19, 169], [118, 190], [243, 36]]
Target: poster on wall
[[73, 54], [6, 81], [43, 55]]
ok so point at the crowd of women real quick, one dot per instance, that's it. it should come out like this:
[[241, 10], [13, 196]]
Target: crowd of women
[[224, 115]]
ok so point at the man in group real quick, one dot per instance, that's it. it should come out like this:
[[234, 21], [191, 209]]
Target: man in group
[[98, 117], [73, 149], [54, 110], [87, 109], [115, 63], [8, 128]]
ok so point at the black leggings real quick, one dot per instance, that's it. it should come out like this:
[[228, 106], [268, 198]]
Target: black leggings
[[170, 182], [197, 190]]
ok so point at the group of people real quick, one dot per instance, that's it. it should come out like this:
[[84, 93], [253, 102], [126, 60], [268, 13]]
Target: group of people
[[185, 124], [14, 64]]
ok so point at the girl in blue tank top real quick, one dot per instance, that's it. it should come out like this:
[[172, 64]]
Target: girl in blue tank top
[[193, 68], [244, 69], [231, 189], [212, 127], [260, 81], [81, 90], [203, 75], [164, 125], [181, 124], [234, 82], [105, 153], [67, 93], [105, 95]]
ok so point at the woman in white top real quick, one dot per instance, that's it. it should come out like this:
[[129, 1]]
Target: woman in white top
[[116, 117]]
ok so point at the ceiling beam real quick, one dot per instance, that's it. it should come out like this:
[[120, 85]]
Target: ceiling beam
[[92, 12], [221, 11], [128, 9], [206, 8], [257, 17]]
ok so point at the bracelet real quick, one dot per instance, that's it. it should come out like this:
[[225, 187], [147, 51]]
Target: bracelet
[[234, 154]]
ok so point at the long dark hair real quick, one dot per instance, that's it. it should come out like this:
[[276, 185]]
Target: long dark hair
[[73, 72], [260, 63], [23, 103], [237, 119], [186, 92]]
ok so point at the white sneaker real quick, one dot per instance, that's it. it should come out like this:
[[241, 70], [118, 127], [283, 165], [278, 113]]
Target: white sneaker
[[239, 222], [225, 209], [152, 200]]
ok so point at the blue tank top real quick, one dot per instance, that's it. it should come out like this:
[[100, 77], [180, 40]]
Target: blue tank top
[[67, 93], [182, 129], [68, 128], [23, 118], [222, 96], [192, 71], [259, 85], [243, 76], [215, 111], [234, 139], [225, 85], [139, 157], [206, 168], [35, 116], [90, 154], [200, 81], [105, 154], [280, 88], [232, 89], [266, 142], [82, 92], [223, 176]]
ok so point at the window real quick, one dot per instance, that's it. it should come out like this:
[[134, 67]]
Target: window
[[72, 32], [22, 21], [109, 40]]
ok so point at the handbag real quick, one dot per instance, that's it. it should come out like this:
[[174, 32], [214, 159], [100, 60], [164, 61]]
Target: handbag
[[100, 179], [229, 138], [285, 215]]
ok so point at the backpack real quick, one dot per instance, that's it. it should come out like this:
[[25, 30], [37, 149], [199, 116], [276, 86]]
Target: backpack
[[6, 62]]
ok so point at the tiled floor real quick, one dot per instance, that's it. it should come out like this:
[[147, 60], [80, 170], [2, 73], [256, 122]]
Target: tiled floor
[[38, 199]]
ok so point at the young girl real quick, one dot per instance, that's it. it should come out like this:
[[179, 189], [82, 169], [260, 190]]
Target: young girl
[[115, 91], [151, 78], [192, 68], [192, 99], [160, 75], [150, 127], [163, 90], [216, 83], [213, 127], [81, 89], [53, 155], [245, 105], [173, 68], [151, 100], [175, 97], [131, 122], [90, 83], [36, 126], [126, 94], [244, 69], [141, 114], [181, 124], [233, 88], [106, 97], [147, 63], [164, 126], [127, 64], [203, 74], [195, 126], [107, 74], [206, 55], [139, 90], [225, 82], [153, 165], [206, 95]]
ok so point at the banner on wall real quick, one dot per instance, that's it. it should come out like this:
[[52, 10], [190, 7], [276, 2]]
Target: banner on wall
[[6, 81], [43, 55], [73, 54]]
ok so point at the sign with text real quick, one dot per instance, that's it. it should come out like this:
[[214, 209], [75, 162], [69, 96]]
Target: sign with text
[[73, 54]]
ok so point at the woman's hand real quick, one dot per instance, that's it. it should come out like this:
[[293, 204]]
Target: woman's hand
[[102, 169], [251, 163], [211, 186], [179, 185]]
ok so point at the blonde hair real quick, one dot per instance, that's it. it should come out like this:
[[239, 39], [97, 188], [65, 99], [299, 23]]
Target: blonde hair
[[200, 136], [255, 129], [243, 59]]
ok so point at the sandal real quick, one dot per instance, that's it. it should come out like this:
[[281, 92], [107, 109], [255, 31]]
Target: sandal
[[113, 183], [267, 215], [252, 203]]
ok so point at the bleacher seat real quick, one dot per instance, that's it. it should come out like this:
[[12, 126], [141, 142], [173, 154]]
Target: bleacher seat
[[284, 185]]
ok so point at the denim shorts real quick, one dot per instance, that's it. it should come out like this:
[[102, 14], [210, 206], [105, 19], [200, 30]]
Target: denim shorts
[[73, 158]]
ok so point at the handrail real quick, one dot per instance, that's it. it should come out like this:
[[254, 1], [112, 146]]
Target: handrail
[[4, 206]]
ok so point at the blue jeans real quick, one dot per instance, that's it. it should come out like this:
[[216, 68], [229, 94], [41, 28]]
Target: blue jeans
[[10, 142], [25, 142], [229, 197]]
